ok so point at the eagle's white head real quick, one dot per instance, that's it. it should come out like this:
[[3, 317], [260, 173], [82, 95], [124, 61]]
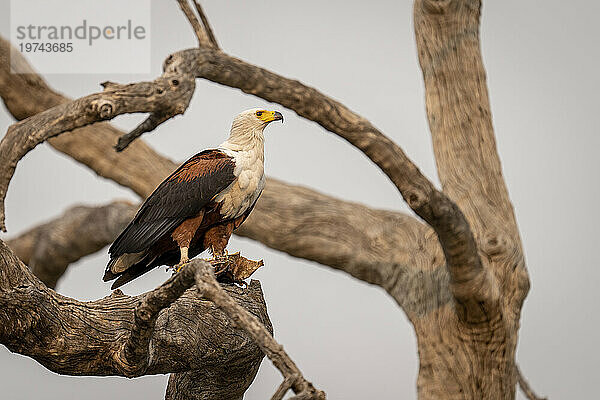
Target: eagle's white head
[[255, 119], [248, 126]]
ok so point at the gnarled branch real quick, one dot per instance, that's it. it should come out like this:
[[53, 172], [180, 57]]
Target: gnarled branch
[[134, 351], [210, 289], [168, 95], [188, 334], [139, 168], [65, 328]]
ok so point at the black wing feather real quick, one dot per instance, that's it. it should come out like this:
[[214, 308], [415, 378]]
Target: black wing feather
[[179, 197]]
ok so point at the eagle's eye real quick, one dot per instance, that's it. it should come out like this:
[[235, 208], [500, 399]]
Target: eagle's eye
[[259, 113]]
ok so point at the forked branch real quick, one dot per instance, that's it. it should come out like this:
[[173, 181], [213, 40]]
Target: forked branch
[[204, 33], [207, 27]]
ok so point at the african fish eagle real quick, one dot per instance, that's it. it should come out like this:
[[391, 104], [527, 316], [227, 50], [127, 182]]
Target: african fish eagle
[[198, 206]]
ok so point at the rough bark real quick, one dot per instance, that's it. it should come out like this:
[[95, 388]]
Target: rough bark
[[174, 328], [181, 333], [476, 361]]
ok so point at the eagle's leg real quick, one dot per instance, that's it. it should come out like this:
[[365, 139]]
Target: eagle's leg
[[216, 239], [183, 235], [184, 259], [229, 268]]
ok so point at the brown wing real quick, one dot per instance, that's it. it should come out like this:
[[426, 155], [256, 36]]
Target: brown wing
[[179, 197]]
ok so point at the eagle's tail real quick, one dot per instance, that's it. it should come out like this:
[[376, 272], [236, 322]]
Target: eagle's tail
[[108, 274], [127, 267], [130, 274]]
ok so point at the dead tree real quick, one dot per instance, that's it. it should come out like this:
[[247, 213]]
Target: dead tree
[[457, 271]]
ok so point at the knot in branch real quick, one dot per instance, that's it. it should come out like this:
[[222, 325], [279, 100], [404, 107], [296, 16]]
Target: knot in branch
[[108, 85], [144, 315], [495, 243], [168, 61], [415, 199], [128, 362], [104, 108], [179, 63]]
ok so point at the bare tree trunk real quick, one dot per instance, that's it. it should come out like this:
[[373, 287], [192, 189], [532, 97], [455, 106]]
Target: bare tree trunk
[[468, 359]]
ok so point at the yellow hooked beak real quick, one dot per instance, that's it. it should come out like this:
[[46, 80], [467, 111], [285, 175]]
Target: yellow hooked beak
[[269, 116]]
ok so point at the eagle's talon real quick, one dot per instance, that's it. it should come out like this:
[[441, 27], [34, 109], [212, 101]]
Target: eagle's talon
[[219, 270], [179, 266]]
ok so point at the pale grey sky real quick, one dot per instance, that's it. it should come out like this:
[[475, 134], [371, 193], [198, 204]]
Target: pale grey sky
[[542, 63]]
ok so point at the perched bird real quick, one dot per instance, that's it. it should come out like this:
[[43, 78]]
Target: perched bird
[[198, 206]]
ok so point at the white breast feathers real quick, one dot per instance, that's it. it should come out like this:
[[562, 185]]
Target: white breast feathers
[[238, 197]]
